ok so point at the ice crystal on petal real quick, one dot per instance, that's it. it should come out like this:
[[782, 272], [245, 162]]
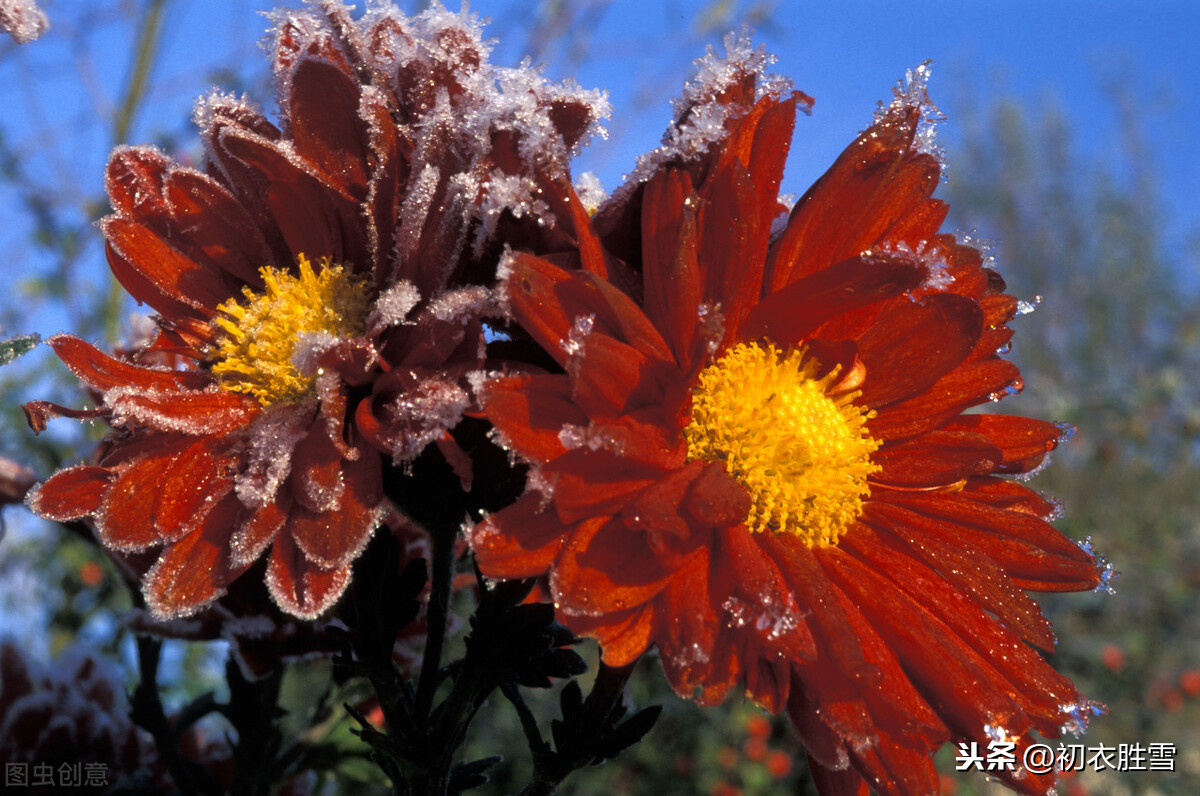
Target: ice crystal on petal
[[393, 306], [711, 325], [423, 414], [517, 194], [272, 440], [310, 347], [937, 268], [693, 654], [913, 92], [418, 200], [699, 115], [537, 480], [22, 20], [592, 437], [985, 246], [764, 616], [573, 345], [1026, 307], [590, 191], [1079, 715], [716, 74], [1107, 573], [126, 407], [1030, 474], [462, 305]]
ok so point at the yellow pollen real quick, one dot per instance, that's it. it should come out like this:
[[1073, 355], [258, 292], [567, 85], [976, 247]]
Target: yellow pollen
[[803, 455], [261, 332]]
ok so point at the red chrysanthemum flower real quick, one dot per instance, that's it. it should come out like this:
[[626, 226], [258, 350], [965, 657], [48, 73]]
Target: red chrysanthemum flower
[[757, 458], [321, 285]]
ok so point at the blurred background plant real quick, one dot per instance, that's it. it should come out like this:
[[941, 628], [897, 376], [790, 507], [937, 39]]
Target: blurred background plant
[[1084, 230]]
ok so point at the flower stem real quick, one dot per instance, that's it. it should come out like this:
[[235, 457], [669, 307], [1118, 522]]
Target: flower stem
[[146, 711], [441, 568]]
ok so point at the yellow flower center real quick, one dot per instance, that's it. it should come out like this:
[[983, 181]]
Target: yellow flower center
[[261, 333], [803, 455]]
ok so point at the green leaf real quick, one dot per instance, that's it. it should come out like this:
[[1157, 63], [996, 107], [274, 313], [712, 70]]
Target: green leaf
[[15, 346]]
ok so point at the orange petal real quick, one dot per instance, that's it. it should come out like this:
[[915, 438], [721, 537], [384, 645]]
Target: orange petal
[[300, 587], [914, 344], [520, 541], [323, 107], [333, 539], [938, 458], [70, 494], [196, 570], [101, 372], [211, 412]]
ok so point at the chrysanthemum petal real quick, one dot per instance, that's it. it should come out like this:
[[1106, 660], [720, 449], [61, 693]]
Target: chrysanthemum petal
[[1013, 668], [687, 635], [521, 541], [314, 217], [1024, 546], [189, 487], [789, 315], [959, 389], [326, 127], [156, 273], [191, 412], [196, 570], [935, 658], [1005, 493], [334, 538], [623, 636], [873, 186], [835, 782], [1025, 441], [200, 217], [299, 586], [971, 573], [71, 494], [102, 372], [590, 483], [731, 251], [938, 458], [316, 478], [615, 314], [605, 568], [673, 281], [531, 410], [530, 286], [914, 344], [258, 528], [126, 517]]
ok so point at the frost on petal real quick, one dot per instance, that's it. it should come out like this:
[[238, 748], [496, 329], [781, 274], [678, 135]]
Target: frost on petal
[[22, 20], [393, 306], [272, 440], [716, 94], [462, 306], [300, 587], [590, 191], [515, 193], [420, 415], [913, 92], [70, 494], [190, 412]]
